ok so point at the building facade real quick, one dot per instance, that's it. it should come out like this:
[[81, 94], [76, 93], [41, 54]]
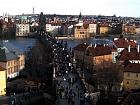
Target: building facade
[[2, 81], [131, 77], [128, 29], [12, 58], [81, 32], [97, 57], [22, 29]]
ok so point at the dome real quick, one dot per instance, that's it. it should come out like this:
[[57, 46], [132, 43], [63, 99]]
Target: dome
[[32, 19], [23, 17]]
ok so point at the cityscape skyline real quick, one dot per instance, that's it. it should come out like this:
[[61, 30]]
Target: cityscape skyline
[[129, 8]]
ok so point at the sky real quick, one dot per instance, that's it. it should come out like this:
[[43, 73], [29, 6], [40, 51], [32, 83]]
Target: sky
[[129, 8]]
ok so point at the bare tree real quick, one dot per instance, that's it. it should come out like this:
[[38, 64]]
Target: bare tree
[[108, 77]]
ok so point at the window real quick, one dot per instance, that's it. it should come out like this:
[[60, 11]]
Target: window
[[8, 70], [136, 82], [137, 75], [9, 63], [128, 74], [127, 82]]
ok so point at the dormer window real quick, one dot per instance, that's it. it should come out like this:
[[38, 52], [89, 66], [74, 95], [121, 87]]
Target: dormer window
[[127, 55]]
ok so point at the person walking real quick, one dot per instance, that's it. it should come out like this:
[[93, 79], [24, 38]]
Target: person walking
[[73, 102]]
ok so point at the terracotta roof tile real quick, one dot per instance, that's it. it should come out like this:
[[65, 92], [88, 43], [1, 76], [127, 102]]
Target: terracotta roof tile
[[99, 51], [121, 43], [81, 47], [78, 27], [112, 48], [2, 69], [132, 44], [85, 26], [133, 67], [132, 55]]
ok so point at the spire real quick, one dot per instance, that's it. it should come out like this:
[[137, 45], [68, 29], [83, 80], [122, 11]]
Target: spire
[[33, 10], [80, 16]]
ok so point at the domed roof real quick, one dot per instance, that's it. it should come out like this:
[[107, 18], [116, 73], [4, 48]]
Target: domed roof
[[23, 17], [32, 19]]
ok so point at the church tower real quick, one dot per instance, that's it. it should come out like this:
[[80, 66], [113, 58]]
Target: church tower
[[42, 22], [80, 20], [33, 11]]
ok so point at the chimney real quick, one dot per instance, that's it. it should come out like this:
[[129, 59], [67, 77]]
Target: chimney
[[129, 48], [138, 48]]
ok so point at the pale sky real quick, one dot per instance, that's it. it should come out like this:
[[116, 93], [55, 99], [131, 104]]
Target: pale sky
[[72, 7]]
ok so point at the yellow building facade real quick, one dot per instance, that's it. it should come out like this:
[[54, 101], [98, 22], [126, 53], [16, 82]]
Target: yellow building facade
[[131, 77], [21, 61], [81, 32], [12, 58], [103, 28], [2, 81], [128, 29]]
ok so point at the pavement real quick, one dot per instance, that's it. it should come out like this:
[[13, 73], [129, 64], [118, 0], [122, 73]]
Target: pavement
[[63, 66], [64, 100]]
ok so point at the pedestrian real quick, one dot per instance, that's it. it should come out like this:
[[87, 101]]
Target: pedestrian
[[69, 87], [78, 94], [73, 102], [78, 89], [68, 101]]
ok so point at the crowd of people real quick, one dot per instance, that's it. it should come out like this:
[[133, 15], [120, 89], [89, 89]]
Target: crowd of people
[[69, 84]]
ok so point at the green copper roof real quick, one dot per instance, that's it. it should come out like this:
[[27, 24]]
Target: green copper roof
[[23, 17]]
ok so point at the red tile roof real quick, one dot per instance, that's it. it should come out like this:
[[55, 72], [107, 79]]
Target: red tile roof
[[85, 26], [81, 47], [112, 48], [132, 55], [133, 67], [2, 69], [100, 50], [122, 43], [132, 44], [78, 27]]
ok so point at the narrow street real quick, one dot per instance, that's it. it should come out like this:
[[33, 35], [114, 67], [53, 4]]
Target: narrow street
[[70, 87]]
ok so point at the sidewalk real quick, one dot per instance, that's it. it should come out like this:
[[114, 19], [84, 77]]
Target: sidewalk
[[64, 100]]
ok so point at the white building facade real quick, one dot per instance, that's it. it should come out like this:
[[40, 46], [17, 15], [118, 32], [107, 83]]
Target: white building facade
[[22, 29]]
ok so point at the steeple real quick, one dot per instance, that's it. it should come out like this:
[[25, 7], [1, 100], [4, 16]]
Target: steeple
[[33, 10], [80, 17]]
